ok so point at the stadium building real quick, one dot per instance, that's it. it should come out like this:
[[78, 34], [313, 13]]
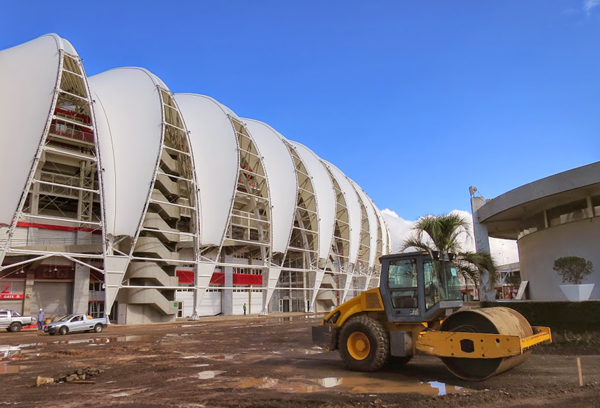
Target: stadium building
[[550, 218], [120, 197]]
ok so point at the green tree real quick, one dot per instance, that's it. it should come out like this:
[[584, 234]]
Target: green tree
[[573, 269], [440, 236]]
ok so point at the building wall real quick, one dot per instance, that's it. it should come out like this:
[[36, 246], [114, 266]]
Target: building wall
[[54, 297], [210, 305], [537, 252]]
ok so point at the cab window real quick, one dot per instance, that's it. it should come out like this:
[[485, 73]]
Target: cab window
[[402, 281], [441, 282]]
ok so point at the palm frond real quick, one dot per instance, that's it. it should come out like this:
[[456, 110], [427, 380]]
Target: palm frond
[[415, 242], [479, 262], [443, 230]]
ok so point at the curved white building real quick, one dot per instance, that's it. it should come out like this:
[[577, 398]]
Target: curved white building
[[122, 198]]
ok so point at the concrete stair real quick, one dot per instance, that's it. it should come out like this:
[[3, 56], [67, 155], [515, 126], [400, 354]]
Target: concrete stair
[[152, 272], [169, 164], [326, 295], [151, 297], [167, 186], [166, 210], [152, 247], [155, 221]]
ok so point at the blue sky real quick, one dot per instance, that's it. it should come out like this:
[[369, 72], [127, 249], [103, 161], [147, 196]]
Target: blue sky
[[414, 100]]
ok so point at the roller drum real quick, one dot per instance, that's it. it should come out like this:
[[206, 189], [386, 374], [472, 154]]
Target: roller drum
[[493, 320]]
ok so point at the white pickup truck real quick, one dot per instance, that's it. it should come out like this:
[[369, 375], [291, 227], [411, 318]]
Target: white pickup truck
[[13, 321], [76, 323]]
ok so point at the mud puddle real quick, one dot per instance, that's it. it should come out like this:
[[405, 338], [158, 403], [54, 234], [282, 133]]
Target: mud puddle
[[358, 385], [10, 369], [379, 385]]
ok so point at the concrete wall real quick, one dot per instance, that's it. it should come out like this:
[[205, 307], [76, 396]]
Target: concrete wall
[[537, 252], [54, 297], [143, 314]]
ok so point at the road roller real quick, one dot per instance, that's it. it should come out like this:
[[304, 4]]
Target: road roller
[[418, 309]]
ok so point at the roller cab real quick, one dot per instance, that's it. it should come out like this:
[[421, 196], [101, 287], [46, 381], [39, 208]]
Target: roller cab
[[418, 309]]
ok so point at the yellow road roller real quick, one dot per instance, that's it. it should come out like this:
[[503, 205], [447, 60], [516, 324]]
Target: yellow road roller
[[418, 309]]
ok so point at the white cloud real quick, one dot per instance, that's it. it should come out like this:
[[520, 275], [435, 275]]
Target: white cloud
[[588, 5], [503, 250]]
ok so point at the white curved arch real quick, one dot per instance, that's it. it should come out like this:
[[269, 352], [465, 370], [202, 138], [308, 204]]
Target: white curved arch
[[372, 217], [28, 77], [384, 234], [216, 162], [129, 115], [324, 194], [353, 207], [281, 175], [382, 226]]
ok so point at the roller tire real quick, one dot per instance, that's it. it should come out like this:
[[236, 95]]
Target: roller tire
[[379, 344]]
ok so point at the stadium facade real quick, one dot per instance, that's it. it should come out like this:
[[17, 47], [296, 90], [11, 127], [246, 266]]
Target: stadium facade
[[122, 198]]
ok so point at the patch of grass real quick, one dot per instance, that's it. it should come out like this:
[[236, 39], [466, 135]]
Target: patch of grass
[[577, 339]]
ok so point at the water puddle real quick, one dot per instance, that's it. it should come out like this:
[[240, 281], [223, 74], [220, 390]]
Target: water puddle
[[127, 393], [207, 375], [10, 353], [357, 385], [308, 352], [220, 357], [107, 340], [10, 369], [261, 383]]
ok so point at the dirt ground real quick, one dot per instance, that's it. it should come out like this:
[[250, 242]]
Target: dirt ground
[[265, 362]]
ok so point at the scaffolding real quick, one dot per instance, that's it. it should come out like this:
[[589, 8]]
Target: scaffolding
[[64, 187]]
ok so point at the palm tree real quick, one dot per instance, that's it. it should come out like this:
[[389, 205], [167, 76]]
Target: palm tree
[[439, 236]]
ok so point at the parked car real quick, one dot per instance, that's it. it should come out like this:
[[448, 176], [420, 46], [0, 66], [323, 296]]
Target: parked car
[[76, 323], [13, 321]]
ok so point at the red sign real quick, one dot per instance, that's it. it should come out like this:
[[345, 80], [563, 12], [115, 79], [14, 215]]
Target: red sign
[[185, 276], [11, 296]]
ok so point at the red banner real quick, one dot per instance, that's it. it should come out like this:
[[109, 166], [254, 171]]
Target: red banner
[[185, 276], [11, 296], [218, 278], [247, 279]]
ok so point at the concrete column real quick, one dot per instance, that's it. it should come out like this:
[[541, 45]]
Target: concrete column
[[482, 244], [347, 281], [272, 277], [81, 289], [29, 279], [227, 299], [203, 275]]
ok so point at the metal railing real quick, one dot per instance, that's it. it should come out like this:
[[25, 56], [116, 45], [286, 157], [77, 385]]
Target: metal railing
[[64, 130]]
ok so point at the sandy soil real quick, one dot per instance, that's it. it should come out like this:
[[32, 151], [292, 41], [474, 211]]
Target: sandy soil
[[266, 362]]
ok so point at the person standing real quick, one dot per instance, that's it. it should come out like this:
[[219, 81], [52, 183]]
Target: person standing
[[41, 317], [244, 309]]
